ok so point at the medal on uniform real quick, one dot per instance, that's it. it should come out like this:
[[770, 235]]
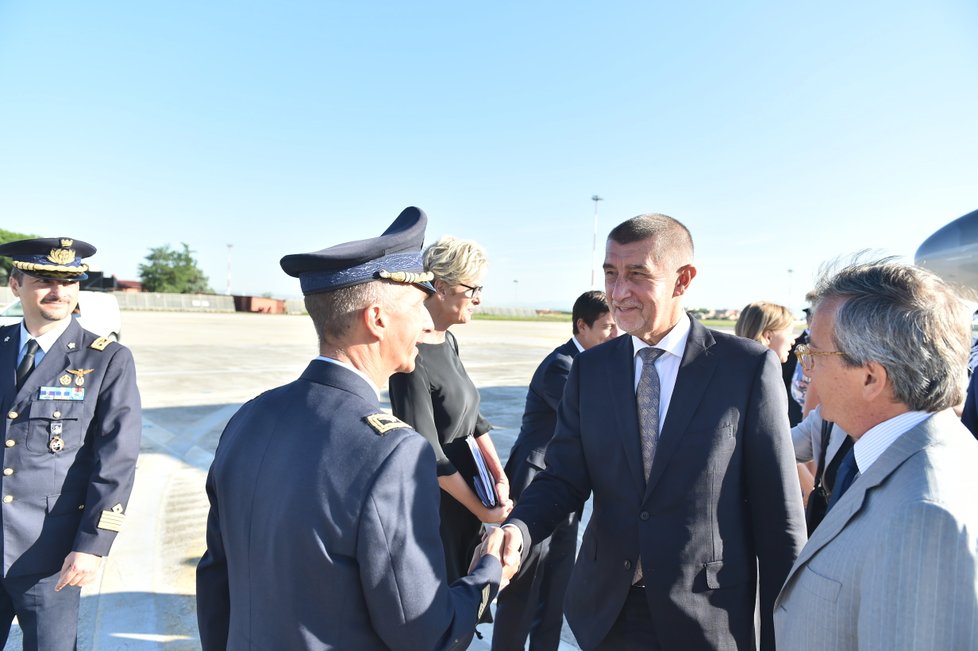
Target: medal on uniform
[[56, 444], [65, 380], [80, 375]]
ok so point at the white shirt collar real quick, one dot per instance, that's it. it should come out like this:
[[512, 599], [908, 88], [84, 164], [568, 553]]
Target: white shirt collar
[[871, 445], [580, 348], [674, 343], [346, 365]]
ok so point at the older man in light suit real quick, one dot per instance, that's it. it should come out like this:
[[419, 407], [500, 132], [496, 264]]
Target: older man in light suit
[[681, 434], [894, 564]]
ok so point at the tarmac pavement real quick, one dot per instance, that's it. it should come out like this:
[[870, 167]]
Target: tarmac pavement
[[194, 372]]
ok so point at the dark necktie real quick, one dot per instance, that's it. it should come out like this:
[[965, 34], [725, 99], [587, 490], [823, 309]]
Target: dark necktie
[[26, 364], [844, 477], [647, 398]]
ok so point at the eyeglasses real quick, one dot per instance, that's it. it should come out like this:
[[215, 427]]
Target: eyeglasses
[[806, 356], [470, 291]]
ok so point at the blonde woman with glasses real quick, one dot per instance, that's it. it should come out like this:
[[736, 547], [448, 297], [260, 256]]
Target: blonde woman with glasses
[[440, 401]]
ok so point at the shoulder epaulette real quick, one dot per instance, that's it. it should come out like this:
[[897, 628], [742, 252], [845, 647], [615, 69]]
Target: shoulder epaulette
[[383, 423], [101, 343]]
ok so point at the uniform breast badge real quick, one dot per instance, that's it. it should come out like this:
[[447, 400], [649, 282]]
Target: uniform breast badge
[[56, 443], [79, 375], [65, 380]]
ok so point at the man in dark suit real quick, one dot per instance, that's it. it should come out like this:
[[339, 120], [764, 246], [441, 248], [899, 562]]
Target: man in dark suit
[[695, 497], [532, 604], [71, 431], [323, 528]]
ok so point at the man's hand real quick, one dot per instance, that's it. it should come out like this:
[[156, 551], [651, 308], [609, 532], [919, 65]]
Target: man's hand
[[78, 569], [512, 550]]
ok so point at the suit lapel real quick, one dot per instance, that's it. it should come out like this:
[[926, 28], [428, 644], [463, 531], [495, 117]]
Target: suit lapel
[[851, 503], [695, 371], [620, 380], [9, 347]]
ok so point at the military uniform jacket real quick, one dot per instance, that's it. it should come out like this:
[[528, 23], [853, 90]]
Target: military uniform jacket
[[323, 529], [70, 441]]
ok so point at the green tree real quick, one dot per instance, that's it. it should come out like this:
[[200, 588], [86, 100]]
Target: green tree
[[172, 271], [9, 236]]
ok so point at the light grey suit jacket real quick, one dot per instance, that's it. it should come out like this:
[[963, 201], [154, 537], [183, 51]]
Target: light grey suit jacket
[[894, 565]]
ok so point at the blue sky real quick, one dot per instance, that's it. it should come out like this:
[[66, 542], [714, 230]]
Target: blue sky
[[783, 135]]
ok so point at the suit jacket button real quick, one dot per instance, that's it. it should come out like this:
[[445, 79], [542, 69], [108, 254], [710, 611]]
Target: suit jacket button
[[644, 515], [628, 565], [8, 471], [56, 414], [10, 443], [12, 415], [7, 499]]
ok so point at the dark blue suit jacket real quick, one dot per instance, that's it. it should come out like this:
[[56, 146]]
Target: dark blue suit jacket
[[722, 501], [323, 529], [526, 459], [74, 499]]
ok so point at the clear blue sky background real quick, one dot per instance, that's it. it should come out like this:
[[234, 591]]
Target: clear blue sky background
[[783, 134]]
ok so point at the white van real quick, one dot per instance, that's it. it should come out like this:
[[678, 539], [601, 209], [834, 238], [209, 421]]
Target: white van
[[97, 312]]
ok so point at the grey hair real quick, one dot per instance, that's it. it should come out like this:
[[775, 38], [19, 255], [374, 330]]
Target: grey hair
[[909, 321], [453, 260], [671, 240], [335, 312]]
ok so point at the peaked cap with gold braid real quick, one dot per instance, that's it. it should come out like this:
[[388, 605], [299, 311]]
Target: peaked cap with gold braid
[[394, 256], [53, 258]]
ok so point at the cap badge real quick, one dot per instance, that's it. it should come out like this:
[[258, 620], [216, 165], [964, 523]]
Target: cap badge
[[62, 256]]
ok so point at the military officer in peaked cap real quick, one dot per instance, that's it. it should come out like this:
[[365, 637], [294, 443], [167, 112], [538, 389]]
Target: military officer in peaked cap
[[71, 430], [323, 527]]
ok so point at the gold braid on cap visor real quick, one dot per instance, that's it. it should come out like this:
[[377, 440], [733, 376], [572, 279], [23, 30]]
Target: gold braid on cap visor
[[408, 277], [55, 268]]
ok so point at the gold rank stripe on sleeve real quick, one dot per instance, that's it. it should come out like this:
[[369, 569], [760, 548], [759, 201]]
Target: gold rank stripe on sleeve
[[112, 520], [485, 600]]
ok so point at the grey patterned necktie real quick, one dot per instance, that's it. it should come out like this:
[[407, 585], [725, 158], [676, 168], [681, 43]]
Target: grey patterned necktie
[[647, 398]]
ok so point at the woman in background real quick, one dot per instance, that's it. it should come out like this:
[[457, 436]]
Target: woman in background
[[773, 326], [770, 324], [440, 401]]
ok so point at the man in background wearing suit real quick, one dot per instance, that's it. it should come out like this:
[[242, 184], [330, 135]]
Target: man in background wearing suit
[[71, 429], [894, 564], [532, 604], [681, 434], [323, 527]]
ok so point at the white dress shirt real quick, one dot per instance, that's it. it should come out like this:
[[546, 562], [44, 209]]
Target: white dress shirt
[[874, 442], [667, 365], [44, 342]]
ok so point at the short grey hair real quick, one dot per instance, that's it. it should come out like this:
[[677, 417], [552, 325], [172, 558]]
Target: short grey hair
[[909, 321], [453, 260], [333, 313], [672, 242]]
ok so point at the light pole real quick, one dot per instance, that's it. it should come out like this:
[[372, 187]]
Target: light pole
[[230, 246], [791, 278], [594, 241]]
